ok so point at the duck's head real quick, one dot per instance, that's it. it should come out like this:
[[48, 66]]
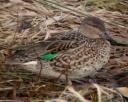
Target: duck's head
[[94, 27]]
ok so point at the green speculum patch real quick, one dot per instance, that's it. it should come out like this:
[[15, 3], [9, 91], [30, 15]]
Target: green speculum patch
[[49, 56]]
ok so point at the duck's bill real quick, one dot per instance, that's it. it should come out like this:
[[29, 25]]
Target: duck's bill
[[113, 41]]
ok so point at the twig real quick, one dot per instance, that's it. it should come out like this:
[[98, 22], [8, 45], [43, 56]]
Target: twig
[[98, 92], [41, 67], [76, 12], [80, 97]]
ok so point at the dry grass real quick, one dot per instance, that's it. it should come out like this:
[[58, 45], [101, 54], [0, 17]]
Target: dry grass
[[23, 23]]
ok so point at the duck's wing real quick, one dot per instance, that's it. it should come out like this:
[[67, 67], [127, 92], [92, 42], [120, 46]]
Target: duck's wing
[[61, 45], [68, 40], [62, 42], [57, 44]]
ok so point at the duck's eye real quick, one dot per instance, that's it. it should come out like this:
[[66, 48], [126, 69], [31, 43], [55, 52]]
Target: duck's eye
[[4, 54]]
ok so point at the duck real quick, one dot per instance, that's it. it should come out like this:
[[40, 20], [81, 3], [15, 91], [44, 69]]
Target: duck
[[76, 54]]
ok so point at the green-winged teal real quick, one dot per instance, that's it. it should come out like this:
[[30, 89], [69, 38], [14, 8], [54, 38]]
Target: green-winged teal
[[78, 53]]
